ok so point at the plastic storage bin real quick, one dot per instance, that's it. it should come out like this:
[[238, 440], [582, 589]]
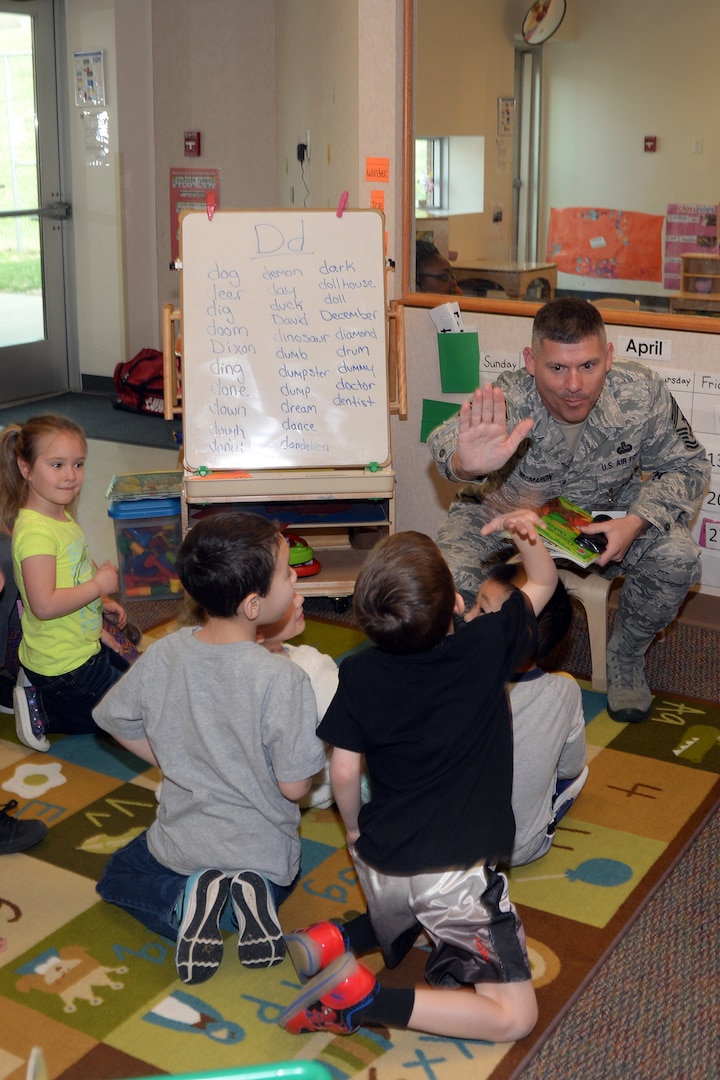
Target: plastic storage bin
[[147, 536]]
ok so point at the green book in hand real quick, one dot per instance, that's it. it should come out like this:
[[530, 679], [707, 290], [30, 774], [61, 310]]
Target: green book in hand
[[561, 524]]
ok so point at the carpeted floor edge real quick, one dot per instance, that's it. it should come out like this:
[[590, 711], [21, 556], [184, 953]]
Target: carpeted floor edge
[[571, 1041], [612, 1032]]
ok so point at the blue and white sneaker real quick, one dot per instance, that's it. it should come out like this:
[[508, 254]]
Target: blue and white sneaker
[[566, 792], [29, 717], [260, 941], [199, 948]]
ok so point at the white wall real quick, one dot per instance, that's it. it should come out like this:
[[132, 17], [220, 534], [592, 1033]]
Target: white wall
[[213, 72], [339, 73], [380, 116], [96, 199], [317, 90], [113, 196], [136, 149], [177, 65]]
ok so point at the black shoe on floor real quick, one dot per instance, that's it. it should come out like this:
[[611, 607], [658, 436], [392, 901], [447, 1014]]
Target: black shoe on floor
[[18, 835], [199, 947], [7, 685], [260, 941]]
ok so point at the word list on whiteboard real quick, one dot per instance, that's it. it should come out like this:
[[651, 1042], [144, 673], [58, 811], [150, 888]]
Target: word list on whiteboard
[[283, 339]]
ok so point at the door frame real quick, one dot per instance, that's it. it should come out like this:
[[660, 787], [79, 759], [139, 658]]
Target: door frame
[[526, 154], [60, 369]]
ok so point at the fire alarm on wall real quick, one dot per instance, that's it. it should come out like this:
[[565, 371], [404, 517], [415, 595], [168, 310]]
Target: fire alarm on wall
[[650, 144], [192, 144]]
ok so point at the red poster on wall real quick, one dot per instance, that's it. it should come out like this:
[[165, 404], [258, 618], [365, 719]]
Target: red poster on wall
[[188, 190], [617, 244]]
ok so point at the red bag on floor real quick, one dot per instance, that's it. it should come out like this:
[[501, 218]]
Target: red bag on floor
[[139, 383]]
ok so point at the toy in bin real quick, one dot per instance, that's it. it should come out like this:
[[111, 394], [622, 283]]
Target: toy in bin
[[302, 556], [147, 535]]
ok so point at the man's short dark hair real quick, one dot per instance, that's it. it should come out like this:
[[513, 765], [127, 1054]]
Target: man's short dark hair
[[226, 557], [405, 594], [568, 320]]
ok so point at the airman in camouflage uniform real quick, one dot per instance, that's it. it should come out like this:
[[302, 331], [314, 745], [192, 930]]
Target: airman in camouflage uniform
[[609, 438]]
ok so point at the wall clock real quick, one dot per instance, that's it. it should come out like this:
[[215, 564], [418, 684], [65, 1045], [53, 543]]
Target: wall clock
[[542, 20]]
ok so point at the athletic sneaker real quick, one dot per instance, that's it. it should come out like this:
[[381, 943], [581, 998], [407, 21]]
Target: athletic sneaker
[[260, 939], [332, 1000], [313, 949], [18, 835], [566, 792], [199, 947], [29, 717]]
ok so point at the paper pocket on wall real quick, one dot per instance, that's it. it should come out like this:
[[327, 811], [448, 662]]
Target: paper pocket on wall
[[459, 362]]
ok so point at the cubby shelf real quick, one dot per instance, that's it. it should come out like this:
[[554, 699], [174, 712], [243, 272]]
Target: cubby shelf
[[697, 267], [341, 513]]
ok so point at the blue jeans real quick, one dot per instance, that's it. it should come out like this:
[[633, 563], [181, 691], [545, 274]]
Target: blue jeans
[[152, 893], [67, 701]]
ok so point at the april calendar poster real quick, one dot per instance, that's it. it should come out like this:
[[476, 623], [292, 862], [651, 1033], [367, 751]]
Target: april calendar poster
[[599, 243], [688, 227]]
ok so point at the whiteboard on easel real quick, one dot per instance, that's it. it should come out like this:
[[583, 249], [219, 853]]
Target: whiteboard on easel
[[283, 339]]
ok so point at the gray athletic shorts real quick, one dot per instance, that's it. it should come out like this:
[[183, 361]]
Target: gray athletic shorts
[[475, 931]]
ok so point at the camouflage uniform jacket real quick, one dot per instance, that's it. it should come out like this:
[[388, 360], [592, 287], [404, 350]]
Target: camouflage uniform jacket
[[637, 453]]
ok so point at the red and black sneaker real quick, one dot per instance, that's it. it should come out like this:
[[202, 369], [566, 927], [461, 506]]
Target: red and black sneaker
[[332, 1000], [313, 949]]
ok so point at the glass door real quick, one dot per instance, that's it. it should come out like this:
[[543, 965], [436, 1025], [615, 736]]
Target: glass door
[[526, 154], [33, 213]]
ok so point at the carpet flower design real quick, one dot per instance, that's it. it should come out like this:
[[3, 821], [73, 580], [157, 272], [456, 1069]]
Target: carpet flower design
[[30, 781]]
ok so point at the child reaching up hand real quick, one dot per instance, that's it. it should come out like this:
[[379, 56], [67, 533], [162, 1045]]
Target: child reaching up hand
[[428, 710], [65, 667]]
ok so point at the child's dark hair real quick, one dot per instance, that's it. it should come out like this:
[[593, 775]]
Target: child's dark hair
[[226, 557], [554, 620], [405, 594], [425, 250], [22, 441]]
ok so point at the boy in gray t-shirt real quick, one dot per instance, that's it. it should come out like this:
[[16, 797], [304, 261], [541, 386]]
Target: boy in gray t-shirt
[[232, 727]]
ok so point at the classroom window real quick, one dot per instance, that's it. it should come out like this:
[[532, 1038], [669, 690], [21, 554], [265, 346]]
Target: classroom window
[[431, 156]]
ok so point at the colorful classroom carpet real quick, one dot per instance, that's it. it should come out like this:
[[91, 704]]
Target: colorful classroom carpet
[[100, 995]]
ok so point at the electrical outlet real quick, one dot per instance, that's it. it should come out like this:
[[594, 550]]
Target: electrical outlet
[[697, 146], [307, 145]]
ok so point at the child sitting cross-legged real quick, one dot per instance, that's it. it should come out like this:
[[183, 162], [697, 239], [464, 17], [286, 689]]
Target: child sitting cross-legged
[[323, 674], [232, 727], [428, 709], [549, 750]]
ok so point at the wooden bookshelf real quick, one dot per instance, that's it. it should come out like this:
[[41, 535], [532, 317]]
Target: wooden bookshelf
[[699, 284]]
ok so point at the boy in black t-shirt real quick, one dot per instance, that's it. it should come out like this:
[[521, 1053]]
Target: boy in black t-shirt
[[428, 710]]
